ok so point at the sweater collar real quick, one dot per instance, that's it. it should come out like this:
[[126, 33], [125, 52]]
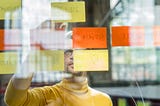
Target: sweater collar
[[80, 87]]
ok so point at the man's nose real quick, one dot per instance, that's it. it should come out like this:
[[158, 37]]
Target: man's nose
[[71, 58]]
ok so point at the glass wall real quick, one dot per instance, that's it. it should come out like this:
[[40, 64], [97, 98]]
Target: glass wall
[[27, 44], [137, 62]]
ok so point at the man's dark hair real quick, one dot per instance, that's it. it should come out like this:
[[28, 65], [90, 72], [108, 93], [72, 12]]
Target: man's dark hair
[[68, 50]]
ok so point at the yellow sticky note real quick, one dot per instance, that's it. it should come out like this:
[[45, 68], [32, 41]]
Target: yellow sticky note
[[50, 60], [91, 60], [8, 62], [68, 11], [8, 6]]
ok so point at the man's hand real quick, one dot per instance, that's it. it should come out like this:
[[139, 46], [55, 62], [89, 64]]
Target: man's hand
[[22, 82], [23, 77]]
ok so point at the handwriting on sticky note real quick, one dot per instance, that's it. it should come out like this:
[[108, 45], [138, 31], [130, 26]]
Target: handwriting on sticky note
[[67, 8], [7, 8], [92, 36]]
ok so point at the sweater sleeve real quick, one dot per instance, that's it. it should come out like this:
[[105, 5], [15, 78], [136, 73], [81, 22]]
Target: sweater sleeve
[[16, 97], [110, 101]]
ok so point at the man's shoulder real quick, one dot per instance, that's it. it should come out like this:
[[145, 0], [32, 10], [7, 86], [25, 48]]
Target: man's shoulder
[[97, 93]]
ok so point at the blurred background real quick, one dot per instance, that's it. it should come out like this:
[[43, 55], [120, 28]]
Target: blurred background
[[133, 78]]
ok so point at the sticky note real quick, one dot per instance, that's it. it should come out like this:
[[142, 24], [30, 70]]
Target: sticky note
[[12, 37], [89, 37], [8, 62], [90, 60], [128, 36], [8, 6], [68, 11], [136, 36], [120, 36], [156, 35], [1, 39], [50, 60], [50, 39]]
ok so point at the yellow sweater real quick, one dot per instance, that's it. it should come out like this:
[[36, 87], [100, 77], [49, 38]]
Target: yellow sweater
[[65, 93]]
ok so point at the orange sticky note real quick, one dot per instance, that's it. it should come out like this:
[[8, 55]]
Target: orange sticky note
[[156, 35], [128, 36], [10, 39], [1, 39], [90, 37], [120, 36]]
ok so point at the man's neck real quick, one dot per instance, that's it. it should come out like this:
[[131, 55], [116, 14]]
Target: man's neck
[[78, 79]]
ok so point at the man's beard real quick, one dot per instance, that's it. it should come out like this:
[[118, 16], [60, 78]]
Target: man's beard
[[78, 74]]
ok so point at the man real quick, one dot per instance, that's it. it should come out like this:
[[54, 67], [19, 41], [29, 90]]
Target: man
[[71, 91]]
